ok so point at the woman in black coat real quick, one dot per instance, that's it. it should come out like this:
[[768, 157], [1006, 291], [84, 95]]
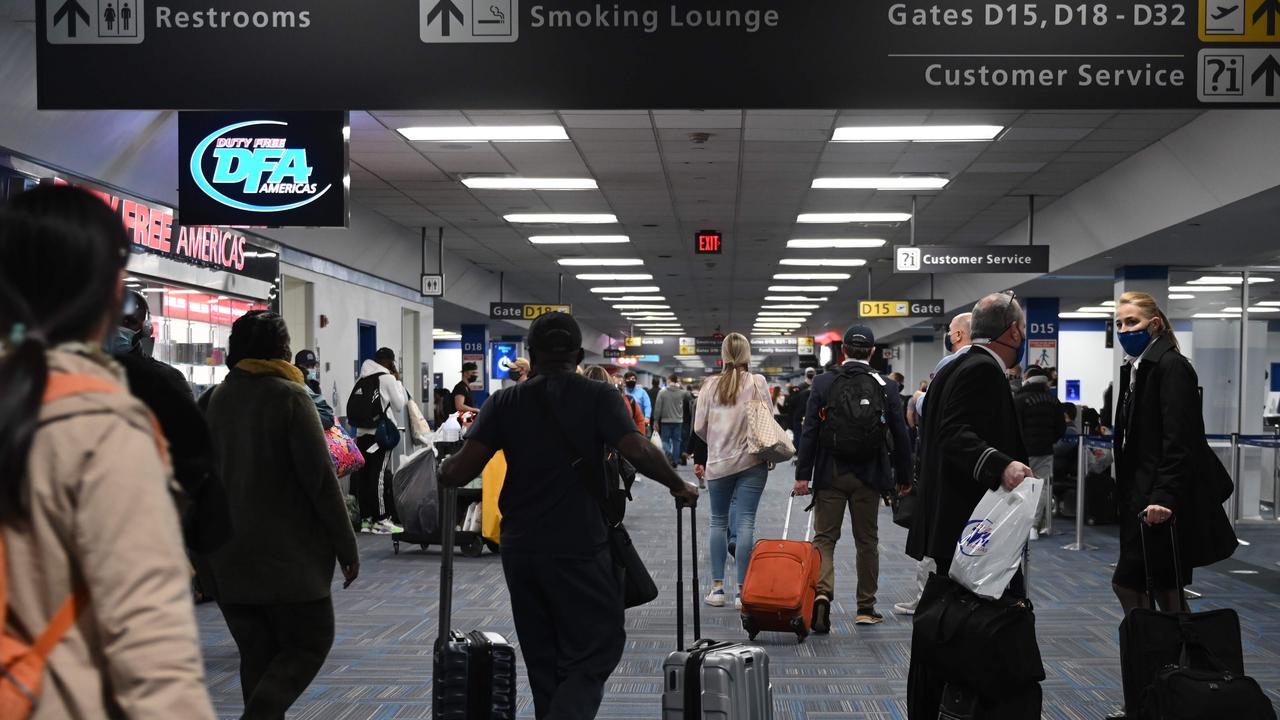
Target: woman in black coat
[[1165, 470]]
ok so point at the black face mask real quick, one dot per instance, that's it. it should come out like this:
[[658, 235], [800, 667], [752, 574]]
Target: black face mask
[[631, 384], [946, 342]]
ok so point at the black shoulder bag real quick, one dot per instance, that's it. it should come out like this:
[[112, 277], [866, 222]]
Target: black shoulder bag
[[638, 586]]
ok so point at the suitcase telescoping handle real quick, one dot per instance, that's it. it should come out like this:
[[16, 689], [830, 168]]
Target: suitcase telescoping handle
[[693, 549], [786, 524], [1146, 561], [448, 516]]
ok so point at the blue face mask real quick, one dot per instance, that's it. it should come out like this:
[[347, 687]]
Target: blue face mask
[[121, 342], [313, 374], [1135, 342]]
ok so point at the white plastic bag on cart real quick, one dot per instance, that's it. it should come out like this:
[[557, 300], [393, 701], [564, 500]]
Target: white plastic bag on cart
[[990, 546]]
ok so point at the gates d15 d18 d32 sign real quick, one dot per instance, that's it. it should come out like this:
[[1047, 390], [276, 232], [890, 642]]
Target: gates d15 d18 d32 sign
[[277, 169]]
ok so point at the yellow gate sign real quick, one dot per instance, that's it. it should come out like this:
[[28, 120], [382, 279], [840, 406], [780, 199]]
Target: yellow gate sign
[[1240, 21], [884, 308], [533, 312]]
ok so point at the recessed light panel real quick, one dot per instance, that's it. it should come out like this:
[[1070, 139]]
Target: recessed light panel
[[561, 218], [579, 239], [857, 217], [836, 243], [491, 133], [880, 183], [517, 183], [917, 133]]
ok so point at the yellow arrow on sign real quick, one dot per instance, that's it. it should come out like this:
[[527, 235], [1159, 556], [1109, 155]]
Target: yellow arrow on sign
[[1240, 21]]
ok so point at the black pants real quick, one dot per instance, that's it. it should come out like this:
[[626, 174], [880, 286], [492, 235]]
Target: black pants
[[282, 647], [925, 684], [569, 618], [364, 482]]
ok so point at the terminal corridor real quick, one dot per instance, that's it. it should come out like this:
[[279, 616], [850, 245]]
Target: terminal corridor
[[380, 667]]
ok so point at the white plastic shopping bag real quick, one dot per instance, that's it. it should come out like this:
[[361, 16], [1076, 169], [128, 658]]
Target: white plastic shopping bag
[[990, 546]]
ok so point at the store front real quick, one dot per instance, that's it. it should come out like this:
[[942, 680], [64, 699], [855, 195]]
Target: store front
[[197, 280]]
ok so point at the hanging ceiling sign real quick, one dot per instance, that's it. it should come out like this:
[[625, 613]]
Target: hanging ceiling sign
[[699, 346], [579, 53], [970, 259], [524, 311], [900, 308], [276, 169]]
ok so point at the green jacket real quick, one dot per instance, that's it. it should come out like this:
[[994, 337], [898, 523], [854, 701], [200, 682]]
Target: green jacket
[[290, 518]]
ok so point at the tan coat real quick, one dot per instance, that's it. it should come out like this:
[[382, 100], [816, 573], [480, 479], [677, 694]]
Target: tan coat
[[102, 514]]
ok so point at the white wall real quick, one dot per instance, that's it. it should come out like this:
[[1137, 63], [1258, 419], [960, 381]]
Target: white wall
[[1083, 355], [449, 362], [337, 346]]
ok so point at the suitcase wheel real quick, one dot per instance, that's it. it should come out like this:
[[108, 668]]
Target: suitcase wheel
[[395, 546], [802, 632], [473, 548], [749, 625]]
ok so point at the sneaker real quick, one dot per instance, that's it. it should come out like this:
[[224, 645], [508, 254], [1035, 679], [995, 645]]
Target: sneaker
[[868, 617], [1033, 535], [366, 527], [821, 616], [390, 527], [737, 602], [905, 608], [716, 597], [378, 529]]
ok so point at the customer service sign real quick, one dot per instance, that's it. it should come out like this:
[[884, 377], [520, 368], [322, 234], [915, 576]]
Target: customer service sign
[[273, 169]]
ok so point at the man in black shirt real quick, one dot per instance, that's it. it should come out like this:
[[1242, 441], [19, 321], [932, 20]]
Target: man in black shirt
[[565, 597], [463, 401]]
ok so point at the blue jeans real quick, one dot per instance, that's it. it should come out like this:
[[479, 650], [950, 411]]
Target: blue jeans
[[672, 438], [743, 491]]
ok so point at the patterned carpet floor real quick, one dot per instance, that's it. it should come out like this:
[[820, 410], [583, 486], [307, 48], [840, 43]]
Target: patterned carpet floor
[[380, 666]]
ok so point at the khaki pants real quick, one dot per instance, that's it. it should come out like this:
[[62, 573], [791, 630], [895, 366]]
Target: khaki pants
[[864, 505]]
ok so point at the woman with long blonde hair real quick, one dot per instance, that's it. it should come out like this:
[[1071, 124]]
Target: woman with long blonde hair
[[732, 473]]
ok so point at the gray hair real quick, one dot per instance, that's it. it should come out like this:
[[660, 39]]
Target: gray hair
[[993, 314]]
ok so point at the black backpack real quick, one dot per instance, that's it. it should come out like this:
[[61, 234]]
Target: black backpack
[[854, 426], [364, 406]]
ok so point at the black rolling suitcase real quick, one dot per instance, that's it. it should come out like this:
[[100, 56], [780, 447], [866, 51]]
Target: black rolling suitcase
[[474, 675], [959, 703], [1171, 663]]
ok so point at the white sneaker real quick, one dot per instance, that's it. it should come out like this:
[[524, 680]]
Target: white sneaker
[[716, 597], [390, 527], [1033, 535], [905, 608]]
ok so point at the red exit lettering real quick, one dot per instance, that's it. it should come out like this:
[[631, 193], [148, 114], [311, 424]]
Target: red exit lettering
[[709, 242]]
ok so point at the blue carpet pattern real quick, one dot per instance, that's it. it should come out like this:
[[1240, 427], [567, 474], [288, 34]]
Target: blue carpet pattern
[[380, 666]]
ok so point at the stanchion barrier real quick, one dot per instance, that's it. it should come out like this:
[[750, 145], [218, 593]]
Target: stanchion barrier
[[1082, 471]]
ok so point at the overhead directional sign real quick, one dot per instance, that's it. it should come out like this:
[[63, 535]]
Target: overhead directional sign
[[900, 308], [1240, 75], [553, 54], [524, 311], [971, 259]]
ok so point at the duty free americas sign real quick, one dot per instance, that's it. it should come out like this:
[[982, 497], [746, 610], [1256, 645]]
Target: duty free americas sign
[[498, 54]]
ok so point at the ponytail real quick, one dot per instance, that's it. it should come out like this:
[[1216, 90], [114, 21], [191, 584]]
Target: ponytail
[[735, 353]]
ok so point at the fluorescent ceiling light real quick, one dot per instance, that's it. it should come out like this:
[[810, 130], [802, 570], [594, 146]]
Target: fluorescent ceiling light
[[600, 262], [1216, 316], [802, 288], [792, 313], [579, 239], [1082, 315], [791, 307], [1266, 303], [614, 276], [880, 183], [491, 133], [811, 276], [1109, 303], [1096, 309], [836, 243], [635, 298], [917, 133], [1199, 288], [780, 326], [822, 262], [153, 290], [628, 289], [563, 218], [1181, 296], [1228, 280], [641, 307], [794, 298], [1253, 309], [868, 217], [519, 183]]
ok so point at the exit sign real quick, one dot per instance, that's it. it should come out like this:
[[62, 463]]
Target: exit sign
[[708, 242]]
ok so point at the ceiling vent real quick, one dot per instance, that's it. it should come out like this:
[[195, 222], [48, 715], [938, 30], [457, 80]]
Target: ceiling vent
[[699, 138]]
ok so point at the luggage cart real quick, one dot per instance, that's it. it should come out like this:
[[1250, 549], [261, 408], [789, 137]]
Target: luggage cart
[[470, 544]]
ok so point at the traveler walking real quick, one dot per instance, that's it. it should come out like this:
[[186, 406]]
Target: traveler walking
[[686, 427], [273, 578], [668, 414], [565, 598], [971, 444], [88, 528], [653, 390], [800, 405], [731, 472], [1040, 416], [1164, 466], [377, 403], [463, 400], [643, 399], [956, 341], [856, 450]]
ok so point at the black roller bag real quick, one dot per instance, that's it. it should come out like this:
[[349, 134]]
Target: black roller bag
[[474, 674], [1185, 665]]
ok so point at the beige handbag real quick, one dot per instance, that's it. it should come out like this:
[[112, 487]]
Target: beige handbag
[[765, 437]]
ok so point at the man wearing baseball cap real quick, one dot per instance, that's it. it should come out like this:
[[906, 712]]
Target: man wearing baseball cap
[[565, 597], [856, 450], [305, 360]]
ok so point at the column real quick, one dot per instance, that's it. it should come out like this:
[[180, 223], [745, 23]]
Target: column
[[475, 341], [1042, 332]]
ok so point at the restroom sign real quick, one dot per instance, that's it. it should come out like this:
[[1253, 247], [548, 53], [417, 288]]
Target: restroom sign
[[95, 22]]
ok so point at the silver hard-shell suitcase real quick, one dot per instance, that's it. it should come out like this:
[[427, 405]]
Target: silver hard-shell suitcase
[[711, 680]]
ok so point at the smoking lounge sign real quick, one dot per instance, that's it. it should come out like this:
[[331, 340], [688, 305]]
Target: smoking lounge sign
[[263, 169]]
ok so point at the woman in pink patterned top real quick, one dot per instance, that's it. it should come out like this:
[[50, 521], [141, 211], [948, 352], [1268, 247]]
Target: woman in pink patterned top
[[731, 471]]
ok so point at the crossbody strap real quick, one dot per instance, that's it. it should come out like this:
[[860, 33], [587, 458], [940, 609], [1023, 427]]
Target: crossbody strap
[[594, 486]]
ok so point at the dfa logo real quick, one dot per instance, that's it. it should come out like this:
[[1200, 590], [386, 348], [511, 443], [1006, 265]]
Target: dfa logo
[[254, 169], [975, 537]]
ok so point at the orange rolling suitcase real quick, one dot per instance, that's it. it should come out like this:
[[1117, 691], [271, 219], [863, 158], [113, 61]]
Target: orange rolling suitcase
[[781, 584]]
